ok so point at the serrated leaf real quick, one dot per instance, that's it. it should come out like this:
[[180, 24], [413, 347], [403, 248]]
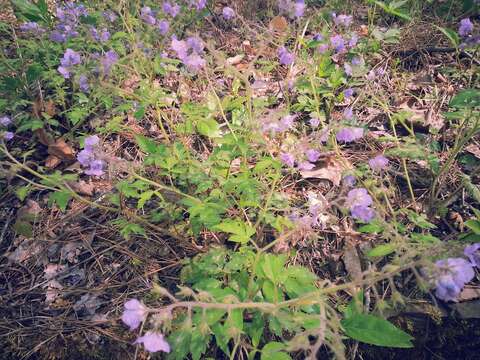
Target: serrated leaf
[[241, 231], [450, 34], [376, 331], [209, 128], [145, 144], [466, 99], [274, 351], [144, 197], [61, 198], [473, 225]]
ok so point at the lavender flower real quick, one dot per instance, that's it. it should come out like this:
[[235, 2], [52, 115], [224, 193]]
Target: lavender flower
[[322, 48], [318, 37], [314, 122], [228, 13], [312, 155], [8, 135], [107, 61], [349, 180], [32, 27], [110, 16], [356, 61], [91, 141], [95, 168], [378, 163], [349, 134], [348, 93], [466, 27], [451, 276], [83, 83], [194, 62], [147, 15], [359, 201], [288, 159], [196, 44], [170, 9], [70, 58], [353, 40], [163, 26], [286, 57], [153, 342], [348, 113], [102, 36], [305, 166], [69, 18], [338, 43], [189, 52], [299, 8], [88, 157], [342, 20], [198, 4], [134, 313], [473, 254], [286, 123], [5, 121]]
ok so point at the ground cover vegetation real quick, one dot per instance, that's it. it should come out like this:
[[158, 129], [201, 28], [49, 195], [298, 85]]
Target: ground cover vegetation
[[268, 180]]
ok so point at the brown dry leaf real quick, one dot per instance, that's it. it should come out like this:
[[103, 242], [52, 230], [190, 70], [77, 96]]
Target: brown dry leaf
[[52, 270], [52, 161], [363, 30], [331, 170], [248, 48], [352, 262], [469, 293], [434, 119], [278, 24], [82, 187], [37, 108], [50, 108], [474, 150], [61, 150], [44, 137]]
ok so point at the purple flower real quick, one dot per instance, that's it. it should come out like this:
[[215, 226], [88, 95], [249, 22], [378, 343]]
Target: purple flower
[[58, 37], [348, 93], [110, 16], [353, 40], [338, 43], [286, 122], [378, 163], [107, 61], [348, 113], [359, 201], [348, 69], [194, 62], [349, 180], [318, 37], [288, 159], [83, 83], [196, 44], [473, 254], [102, 36], [362, 213], [342, 20], [134, 313], [299, 8], [349, 134], [32, 27], [356, 61], [466, 27], [312, 155], [5, 121], [305, 166], [170, 9], [314, 122], [8, 135], [96, 168], [199, 4], [163, 26], [322, 48], [452, 275], [286, 57], [189, 51], [180, 47], [228, 13], [85, 157], [70, 58], [358, 197], [91, 141], [64, 72], [153, 342], [147, 15]]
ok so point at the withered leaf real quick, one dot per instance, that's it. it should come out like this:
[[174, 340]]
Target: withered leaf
[[278, 24], [61, 150], [52, 161]]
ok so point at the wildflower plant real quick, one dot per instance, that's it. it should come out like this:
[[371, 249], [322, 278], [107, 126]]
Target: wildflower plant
[[208, 166]]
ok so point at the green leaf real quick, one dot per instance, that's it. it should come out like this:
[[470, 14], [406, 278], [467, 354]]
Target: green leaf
[[198, 344], [382, 250], [241, 231], [145, 144], [274, 351], [355, 306], [61, 198], [209, 128], [23, 191], [450, 34], [144, 197], [376, 331], [372, 228], [271, 267], [24, 228], [179, 344], [467, 98], [424, 238], [473, 225]]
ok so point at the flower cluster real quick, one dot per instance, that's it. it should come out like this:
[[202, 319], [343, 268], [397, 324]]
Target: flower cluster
[[134, 314], [108, 60], [378, 163], [69, 18], [228, 13], [292, 8], [189, 51], [88, 157], [465, 30], [359, 202], [102, 35], [70, 59], [349, 134], [32, 27], [5, 121], [286, 57]]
